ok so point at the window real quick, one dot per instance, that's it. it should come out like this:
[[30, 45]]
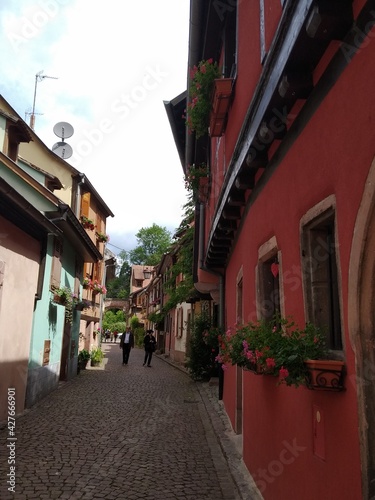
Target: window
[[320, 277], [85, 205], [269, 288], [230, 42], [268, 281]]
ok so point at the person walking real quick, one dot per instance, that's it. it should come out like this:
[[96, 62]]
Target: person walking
[[126, 344], [149, 342]]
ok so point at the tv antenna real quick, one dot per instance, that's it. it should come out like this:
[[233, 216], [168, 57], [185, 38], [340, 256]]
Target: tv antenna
[[62, 148], [39, 77]]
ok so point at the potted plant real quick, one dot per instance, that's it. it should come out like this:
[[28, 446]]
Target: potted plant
[[276, 347], [64, 296], [196, 177], [82, 304], [97, 356], [87, 284], [87, 223], [104, 238], [83, 359], [202, 78], [98, 287]]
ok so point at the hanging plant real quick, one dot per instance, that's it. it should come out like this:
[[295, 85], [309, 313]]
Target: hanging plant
[[104, 238], [87, 223], [202, 78]]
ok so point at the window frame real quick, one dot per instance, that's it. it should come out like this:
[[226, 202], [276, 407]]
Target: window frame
[[320, 272]]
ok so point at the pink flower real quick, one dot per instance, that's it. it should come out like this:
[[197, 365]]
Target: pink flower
[[283, 372], [250, 356], [270, 362]]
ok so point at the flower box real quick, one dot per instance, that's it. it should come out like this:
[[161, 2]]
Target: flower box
[[103, 238], [221, 101], [58, 299], [87, 223], [81, 305], [325, 374], [203, 189]]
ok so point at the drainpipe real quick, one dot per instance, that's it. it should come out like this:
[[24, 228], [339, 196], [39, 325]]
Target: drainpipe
[[221, 287]]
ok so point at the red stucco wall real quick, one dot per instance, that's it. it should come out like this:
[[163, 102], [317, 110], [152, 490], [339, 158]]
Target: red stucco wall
[[332, 156]]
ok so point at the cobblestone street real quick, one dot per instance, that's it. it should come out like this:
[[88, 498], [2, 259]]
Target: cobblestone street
[[125, 432]]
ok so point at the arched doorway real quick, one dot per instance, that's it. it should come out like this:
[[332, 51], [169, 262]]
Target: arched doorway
[[361, 322]]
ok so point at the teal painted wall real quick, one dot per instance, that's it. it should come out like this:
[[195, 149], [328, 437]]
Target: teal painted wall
[[48, 324]]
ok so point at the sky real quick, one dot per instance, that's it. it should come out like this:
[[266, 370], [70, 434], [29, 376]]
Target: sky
[[105, 68]]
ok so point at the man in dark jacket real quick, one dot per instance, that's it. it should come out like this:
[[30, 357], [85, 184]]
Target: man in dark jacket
[[126, 343]]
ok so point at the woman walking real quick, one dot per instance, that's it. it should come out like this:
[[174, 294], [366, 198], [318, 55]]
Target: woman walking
[[149, 342]]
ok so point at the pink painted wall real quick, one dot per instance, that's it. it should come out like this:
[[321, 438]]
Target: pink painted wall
[[19, 257]]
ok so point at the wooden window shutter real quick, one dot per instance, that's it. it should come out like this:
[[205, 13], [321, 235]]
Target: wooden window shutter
[[87, 270], [100, 223], [98, 271], [85, 204], [56, 264]]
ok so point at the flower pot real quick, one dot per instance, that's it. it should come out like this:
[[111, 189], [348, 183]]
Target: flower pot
[[221, 100], [59, 300], [325, 374], [258, 369], [95, 363], [82, 364], [203, 189]]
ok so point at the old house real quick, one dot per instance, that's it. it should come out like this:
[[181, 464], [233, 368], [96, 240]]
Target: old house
[[284, 223]]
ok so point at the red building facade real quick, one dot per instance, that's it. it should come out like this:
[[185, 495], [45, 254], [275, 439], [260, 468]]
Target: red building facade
[[291, 183]]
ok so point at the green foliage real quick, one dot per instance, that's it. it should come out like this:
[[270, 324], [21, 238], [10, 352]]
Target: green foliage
[[139, 334], [83, 355], [184, 246], [153, 242], [134, 323], [203, 349], [202, 78], [119, 287], [276, 347], [194, 174], [96, 355], [114, 321]]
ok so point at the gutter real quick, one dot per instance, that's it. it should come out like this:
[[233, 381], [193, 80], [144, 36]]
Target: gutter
[[26, 209]]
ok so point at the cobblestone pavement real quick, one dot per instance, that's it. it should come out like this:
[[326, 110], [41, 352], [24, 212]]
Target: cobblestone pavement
[[125, 432]]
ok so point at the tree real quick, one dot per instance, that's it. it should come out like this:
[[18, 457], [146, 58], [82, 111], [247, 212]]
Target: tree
[[184, 249], [119, 287], [153, 242]]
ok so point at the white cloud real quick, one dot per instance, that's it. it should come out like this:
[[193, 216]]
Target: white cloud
[[116, 63]]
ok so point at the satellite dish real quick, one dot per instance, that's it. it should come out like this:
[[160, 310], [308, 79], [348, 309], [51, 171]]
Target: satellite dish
[[63, 130], [62, 149]]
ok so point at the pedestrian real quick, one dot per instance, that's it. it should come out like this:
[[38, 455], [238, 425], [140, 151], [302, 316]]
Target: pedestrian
[[149, 342], [115, 333], [126, 344]]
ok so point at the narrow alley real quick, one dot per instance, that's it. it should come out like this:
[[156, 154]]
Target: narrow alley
[[124, 432]]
